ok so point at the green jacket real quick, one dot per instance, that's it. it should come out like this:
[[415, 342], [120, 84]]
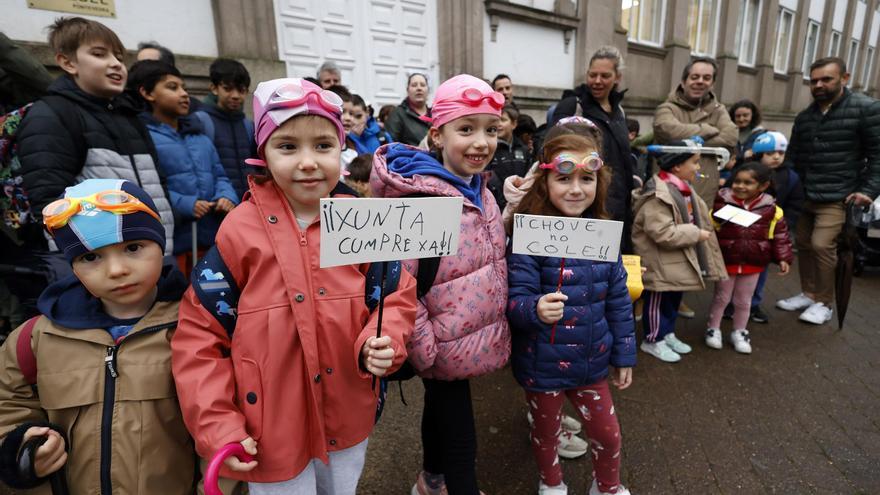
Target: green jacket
[[838, 153], [405, 126]]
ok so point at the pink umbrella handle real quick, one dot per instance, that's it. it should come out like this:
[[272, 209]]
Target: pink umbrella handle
[[212, 474]]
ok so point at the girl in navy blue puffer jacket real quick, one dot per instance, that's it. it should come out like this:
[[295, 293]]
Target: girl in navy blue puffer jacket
[[568, 338]]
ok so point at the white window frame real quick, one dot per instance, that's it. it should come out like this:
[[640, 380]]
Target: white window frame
[[635, 35], [713, 34], [744, 58], [782, 13], [852, 58], [807, 60], [834, 40], [869, 67]]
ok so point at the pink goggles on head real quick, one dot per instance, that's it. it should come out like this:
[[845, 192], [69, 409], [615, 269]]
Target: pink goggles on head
[[474, 97], [292, 95], [567, 163]]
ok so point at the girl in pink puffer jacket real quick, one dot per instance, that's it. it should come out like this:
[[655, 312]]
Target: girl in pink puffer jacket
[[461, 330]]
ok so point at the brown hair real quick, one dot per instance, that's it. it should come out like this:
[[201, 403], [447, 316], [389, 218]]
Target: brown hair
[[566, 138], [67, 34]]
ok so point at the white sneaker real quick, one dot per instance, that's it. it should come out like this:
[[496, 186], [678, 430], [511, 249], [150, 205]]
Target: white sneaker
[[676, 345], [621, 490], [817, 314], [559, 489], [741, 341], [660, 351], [571, 446], [795, 303], [713, 338], [569, 424]]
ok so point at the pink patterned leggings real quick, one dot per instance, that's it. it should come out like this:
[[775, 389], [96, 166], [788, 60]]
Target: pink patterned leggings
[[596, 410], [739, 288]]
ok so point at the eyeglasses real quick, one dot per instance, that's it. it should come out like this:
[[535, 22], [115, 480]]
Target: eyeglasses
[[474, 97], [57, 213], [292, 96], [566, 163]]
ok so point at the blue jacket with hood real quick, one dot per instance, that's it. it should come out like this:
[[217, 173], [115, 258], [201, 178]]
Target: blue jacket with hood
[[596, 330], [372, 137], [188, 159]]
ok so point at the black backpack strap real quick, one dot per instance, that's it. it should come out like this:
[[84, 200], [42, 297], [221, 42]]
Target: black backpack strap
[[216, 289], [373, 285], [428, 268]]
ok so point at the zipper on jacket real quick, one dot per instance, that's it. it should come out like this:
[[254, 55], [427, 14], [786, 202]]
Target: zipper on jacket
[[111, 373]]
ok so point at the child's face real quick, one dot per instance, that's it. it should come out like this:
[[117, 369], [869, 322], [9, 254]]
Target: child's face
[[746, 186], [572, 193], [230, 97], [96, 69], [347, 118], [773, 159], [687, 170], [169, 97], [123, 276], [505, 127], [303, 158], [467, 143], [358, 118]]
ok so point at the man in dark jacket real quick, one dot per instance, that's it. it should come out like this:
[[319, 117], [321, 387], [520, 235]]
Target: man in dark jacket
[[226, 124], [835, 148]]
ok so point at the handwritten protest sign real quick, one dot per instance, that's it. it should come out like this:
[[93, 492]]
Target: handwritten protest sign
[[736, 215], [368, 230], [567, 237]]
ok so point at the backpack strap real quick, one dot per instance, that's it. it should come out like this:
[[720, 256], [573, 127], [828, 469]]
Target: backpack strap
[[27, 361], [216, 289], [428, 268], [373, 285]]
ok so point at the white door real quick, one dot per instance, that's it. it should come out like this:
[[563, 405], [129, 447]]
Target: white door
[[375, 43]]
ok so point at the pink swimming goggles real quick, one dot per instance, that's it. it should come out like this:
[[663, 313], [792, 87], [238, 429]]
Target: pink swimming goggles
[[291, 95], [474, 97], [566, 163]]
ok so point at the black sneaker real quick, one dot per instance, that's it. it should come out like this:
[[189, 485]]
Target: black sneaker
[[759, 316]]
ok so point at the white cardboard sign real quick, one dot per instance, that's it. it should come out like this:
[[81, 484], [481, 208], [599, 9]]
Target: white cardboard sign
[[736, 215], [355, 230], [567, 237]]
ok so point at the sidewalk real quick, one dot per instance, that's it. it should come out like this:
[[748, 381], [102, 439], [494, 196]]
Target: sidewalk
[[800, 415]]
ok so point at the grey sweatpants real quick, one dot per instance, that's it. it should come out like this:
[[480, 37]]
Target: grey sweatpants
[[339, 477]]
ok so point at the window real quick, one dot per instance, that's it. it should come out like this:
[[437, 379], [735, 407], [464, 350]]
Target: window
[[834, 44], [784, 26], [869, 68], [851, 61], [747, 31], [644, 20], [703, 26], [810, 47]]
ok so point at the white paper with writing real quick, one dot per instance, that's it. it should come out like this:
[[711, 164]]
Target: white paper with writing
[[567, 237], [736, 215], [355, 230]]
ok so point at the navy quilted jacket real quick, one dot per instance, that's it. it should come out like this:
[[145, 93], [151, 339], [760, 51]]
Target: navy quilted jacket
[[596, 329], [233, 137]]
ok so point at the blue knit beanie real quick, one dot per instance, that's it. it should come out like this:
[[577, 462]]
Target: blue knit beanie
[[92, 228]]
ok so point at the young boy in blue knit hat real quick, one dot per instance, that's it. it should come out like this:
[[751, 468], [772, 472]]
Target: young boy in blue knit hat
[[91, 377]]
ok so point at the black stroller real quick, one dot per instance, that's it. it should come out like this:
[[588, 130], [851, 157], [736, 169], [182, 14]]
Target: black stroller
[[866, 250]]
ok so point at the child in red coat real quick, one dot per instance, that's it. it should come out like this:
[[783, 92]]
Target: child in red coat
[[747, 251]]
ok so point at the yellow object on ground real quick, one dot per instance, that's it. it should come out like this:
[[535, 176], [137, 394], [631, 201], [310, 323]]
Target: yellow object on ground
[[632, 264]]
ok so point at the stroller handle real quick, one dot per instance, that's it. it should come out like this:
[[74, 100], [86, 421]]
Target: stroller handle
[[212, 474]]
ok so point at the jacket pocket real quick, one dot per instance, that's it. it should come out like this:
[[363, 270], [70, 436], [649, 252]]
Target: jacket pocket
[[249, 393]]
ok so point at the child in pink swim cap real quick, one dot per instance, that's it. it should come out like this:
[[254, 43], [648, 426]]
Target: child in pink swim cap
[[464, 334], [294, 384]]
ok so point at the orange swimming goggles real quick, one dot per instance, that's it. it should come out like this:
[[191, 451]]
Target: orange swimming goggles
[[57, 213]]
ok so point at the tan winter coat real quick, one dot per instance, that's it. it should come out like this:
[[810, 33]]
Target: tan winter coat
[[677, 119], [152, 453], [667, 242]]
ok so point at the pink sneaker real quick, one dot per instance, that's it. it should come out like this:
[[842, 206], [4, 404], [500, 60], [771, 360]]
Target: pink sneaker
[[422, 488]]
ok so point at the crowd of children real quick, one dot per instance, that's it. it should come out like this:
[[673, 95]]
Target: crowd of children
[[130, 374]]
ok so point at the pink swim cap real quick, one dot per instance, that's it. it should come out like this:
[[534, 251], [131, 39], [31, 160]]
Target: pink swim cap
[[279, 100], [464, 95]]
